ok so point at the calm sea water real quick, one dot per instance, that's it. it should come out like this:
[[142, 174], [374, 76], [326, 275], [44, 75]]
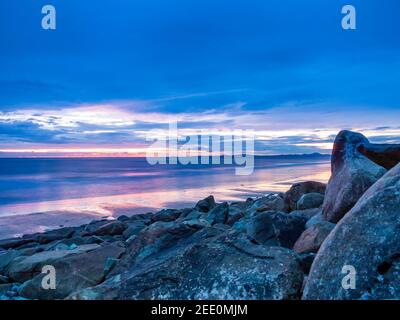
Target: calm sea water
[[114, 186], [30, 183]]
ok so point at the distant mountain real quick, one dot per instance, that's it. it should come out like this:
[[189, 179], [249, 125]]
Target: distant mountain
[[315, 155]]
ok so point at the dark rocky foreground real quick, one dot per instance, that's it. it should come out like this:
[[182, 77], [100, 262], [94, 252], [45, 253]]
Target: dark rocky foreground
[[291, 245]]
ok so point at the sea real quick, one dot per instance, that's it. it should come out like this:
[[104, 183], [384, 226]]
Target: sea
[[37, 194]]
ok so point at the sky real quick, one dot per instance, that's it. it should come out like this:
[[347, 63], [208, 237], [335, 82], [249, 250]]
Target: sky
[[113, 70]]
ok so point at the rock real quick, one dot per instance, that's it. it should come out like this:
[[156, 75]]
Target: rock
[[109, 265], [77, 241], [6, 258], [384, 155], [133, 228], [317, 218], [24, 268], [4, 279], [4, 289], [218, 214], [50, 236], [311, 239], [166, 215], [156, 238], [275, 229], [271, 202], [191, 215], [307, 214], [197, 223], [110, 229], [297, 190], [352, 175], [145, 217], [73, 272], [206, 204], [226, 267], [237, 210], [14, 243], [123, 218], [241, 224], [310, 201], [93, 239], [368, 239], [306, 260], [90, 228]]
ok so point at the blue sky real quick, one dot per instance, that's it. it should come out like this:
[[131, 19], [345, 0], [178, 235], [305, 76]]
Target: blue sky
[[113, 70]]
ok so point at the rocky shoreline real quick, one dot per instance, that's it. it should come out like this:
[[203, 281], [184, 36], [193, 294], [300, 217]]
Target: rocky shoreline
[[290, 245]]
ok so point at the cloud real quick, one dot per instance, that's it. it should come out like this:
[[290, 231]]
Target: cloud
[[290, 128]]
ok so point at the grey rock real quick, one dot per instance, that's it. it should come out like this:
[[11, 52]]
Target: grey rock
[[307, 214], [24, 268], [197, 223], [74, 272], [206, 204], [310, 201], [241, 224], [109, 265], [4, 279], [275, 229], [218, 214], [6, 258], [293, 195], [166, 215], [317, 218], [133, 228], [123, 218], [271, 202], [352, 175], [50, 236], [191, 215], [111, 228], [368, 239], [228, 267], [311, 239], [14, 243]]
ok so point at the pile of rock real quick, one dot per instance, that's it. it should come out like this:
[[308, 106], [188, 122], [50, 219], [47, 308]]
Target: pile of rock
[[280, 246]]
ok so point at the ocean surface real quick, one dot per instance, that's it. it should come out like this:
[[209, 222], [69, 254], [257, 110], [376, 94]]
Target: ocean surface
[[38, 194]]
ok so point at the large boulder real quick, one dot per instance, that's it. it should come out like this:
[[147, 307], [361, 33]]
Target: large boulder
[[368, 239], [224, 267], [275, 229], [293, 195], [352, 175], [311, 239]]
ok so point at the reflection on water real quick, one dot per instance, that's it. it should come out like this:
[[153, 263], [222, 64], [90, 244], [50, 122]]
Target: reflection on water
[[115, 186]]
